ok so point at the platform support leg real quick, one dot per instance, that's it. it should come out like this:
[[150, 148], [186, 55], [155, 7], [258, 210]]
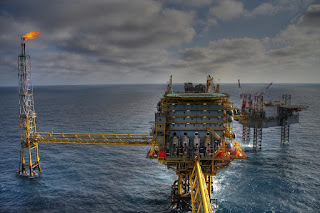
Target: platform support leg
[[180, 184], [285, 132], [180, 199], [246, 134], [30, 161], [257, 138]]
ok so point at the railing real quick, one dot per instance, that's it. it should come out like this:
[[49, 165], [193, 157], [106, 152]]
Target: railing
[[87, 138]]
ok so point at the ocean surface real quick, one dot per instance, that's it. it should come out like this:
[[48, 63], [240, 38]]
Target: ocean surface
[[100, 178]]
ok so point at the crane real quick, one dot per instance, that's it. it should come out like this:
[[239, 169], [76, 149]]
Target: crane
[[258, 114], [264, 91]]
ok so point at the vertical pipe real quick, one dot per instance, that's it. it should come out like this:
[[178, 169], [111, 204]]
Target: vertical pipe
[[23, 160], [22, 46], [30, 160], [37, 153], [37, 157], [180, 184]]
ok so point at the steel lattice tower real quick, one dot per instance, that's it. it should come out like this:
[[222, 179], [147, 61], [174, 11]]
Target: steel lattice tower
[[27, 117]]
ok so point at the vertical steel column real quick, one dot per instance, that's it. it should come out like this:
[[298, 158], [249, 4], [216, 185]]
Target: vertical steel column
[[257, 138], [246, 134], [254, 143], [285, 131], [286, 99], [180, 184]]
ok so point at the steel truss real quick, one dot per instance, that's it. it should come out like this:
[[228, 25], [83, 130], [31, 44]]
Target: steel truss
[[200, 196], [93, 138], [27, 117], [257, 138], [245, 134], [285, 132]]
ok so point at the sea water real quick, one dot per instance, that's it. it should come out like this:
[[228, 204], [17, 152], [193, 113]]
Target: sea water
[[99, 178]]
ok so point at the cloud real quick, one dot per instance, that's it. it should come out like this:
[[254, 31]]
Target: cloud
[[124, 41], [225, 51], [277, 7], [312, 18], [227, 9], [192, 54], [189, 3], [223, 56], [123, 24], [305, 34], [264, 9], [294, 49], [121, 33]]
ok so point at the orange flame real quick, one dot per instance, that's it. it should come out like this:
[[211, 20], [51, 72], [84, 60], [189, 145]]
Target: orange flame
[[31, 35]]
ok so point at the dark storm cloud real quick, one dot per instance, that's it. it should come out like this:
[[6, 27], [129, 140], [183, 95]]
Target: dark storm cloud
[[224, 51], [312, 18], [122, 32], [133, 40], [7, 64], [192, 54], [292, 50], [189, 3]]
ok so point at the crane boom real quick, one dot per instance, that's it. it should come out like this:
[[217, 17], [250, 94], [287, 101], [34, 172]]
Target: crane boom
[[261, 94]]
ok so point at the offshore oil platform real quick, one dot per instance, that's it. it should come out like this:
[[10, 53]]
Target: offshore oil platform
[[192, 135], [257, 114]]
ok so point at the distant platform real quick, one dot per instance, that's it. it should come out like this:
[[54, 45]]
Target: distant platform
[[196, 95]]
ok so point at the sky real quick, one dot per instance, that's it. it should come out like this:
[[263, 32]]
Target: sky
[[146, 41]]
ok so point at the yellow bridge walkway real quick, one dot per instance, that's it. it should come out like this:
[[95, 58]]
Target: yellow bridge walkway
[[199, 193], [87, 138]]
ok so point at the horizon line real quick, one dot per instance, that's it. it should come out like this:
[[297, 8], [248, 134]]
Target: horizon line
[[41, 85]]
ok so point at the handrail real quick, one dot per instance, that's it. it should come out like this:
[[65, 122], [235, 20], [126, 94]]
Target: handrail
[[93, 138]]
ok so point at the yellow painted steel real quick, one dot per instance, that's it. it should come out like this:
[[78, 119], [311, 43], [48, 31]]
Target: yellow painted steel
[[160, 135], [197, 128], [214, 133], [195, 122], [196, 109], [199, 192], [203, 190], [186, 116], [180, 184], [93, 138]]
